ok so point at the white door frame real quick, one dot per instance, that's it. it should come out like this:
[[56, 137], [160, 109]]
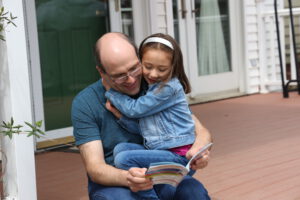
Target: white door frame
[[140, 24], [187, 36]]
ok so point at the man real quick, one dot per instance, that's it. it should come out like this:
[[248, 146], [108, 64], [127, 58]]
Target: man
[[97, 130]]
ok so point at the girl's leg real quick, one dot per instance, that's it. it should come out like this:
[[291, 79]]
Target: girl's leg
[[127, 147], [143, 158]]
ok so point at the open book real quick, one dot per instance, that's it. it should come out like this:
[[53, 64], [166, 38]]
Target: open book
[[170, 172]]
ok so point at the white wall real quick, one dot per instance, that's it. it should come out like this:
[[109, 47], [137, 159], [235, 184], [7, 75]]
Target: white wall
[[15, 100]]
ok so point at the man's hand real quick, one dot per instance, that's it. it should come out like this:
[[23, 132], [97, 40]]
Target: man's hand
[[203, 137], [198, 163], [113, 109], [136, 180]]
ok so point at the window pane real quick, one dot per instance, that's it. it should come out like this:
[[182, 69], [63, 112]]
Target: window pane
[[127, 19]]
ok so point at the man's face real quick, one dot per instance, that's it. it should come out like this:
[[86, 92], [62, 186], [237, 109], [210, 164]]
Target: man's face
[[123, 73]]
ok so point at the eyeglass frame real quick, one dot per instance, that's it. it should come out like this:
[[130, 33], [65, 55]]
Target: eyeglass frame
[[125, 77]]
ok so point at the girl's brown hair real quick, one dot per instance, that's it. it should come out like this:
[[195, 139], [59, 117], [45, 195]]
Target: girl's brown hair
[[177, 58]]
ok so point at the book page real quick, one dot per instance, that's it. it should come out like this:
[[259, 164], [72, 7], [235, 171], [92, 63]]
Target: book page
[[166, 173], [170, 172]]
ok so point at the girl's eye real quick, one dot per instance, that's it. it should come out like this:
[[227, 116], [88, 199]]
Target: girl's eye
[[162, 70], [147, 67]]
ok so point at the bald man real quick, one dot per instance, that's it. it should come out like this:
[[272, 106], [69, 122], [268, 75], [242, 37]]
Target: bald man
[[97, 129]]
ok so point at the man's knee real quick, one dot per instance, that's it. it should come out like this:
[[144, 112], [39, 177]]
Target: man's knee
[[190, 188], [100, 192]]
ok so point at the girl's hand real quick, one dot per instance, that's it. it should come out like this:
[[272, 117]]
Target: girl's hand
[[113, 109]]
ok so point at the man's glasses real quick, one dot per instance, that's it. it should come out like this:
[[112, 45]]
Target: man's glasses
[[133, 73]]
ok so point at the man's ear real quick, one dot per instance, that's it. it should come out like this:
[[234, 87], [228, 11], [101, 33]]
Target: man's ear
[[100, 71]]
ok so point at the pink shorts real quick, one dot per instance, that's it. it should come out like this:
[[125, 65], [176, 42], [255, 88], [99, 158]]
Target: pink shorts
[[182, 150]]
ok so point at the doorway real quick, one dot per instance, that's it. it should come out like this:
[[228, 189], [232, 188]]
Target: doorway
[[67, 32], [207, 33]]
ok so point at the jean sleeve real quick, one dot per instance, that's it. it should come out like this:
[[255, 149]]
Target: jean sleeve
[[131, 125], [155, 100]]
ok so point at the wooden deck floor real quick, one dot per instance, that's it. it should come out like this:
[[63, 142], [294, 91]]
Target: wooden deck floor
[[256, 153]]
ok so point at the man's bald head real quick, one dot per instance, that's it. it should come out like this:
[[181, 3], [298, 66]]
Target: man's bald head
[[111, 46]]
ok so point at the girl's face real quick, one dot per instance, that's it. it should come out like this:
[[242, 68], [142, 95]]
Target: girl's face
[[156, 65]]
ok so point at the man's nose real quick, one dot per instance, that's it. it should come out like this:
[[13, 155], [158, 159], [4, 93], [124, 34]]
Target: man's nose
[[130, 79]]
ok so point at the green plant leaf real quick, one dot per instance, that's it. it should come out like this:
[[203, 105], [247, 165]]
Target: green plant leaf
[[39, 123], [41, 132], [30, 125], [1, 11], [10, 129], [30, 134], [18, 126]]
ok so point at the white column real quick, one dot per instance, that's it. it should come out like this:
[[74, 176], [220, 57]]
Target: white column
[[15, 101]]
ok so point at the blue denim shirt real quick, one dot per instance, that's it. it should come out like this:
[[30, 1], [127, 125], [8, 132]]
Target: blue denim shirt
[[164, 116]]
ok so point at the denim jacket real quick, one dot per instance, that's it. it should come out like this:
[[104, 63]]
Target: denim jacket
[[165, 119]]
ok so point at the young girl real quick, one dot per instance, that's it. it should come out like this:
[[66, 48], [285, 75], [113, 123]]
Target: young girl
[[163, 114]]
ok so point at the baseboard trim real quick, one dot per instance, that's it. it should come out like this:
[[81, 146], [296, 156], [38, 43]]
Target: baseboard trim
[[55, 142], [204, 98]]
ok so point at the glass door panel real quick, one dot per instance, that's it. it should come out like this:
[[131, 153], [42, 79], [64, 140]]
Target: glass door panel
[[213, 36], [67, 32]]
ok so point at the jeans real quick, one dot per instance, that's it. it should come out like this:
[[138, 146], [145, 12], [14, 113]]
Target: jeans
[[100, 192], [127, 154], [188, 189]]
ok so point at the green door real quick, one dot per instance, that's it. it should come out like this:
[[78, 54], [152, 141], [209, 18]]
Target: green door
[[67, 32]]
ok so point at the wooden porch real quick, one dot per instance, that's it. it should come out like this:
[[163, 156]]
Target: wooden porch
[[256, 153]]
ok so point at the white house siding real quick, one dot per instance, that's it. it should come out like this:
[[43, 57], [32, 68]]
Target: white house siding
[[251, 45], [261, 46]]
